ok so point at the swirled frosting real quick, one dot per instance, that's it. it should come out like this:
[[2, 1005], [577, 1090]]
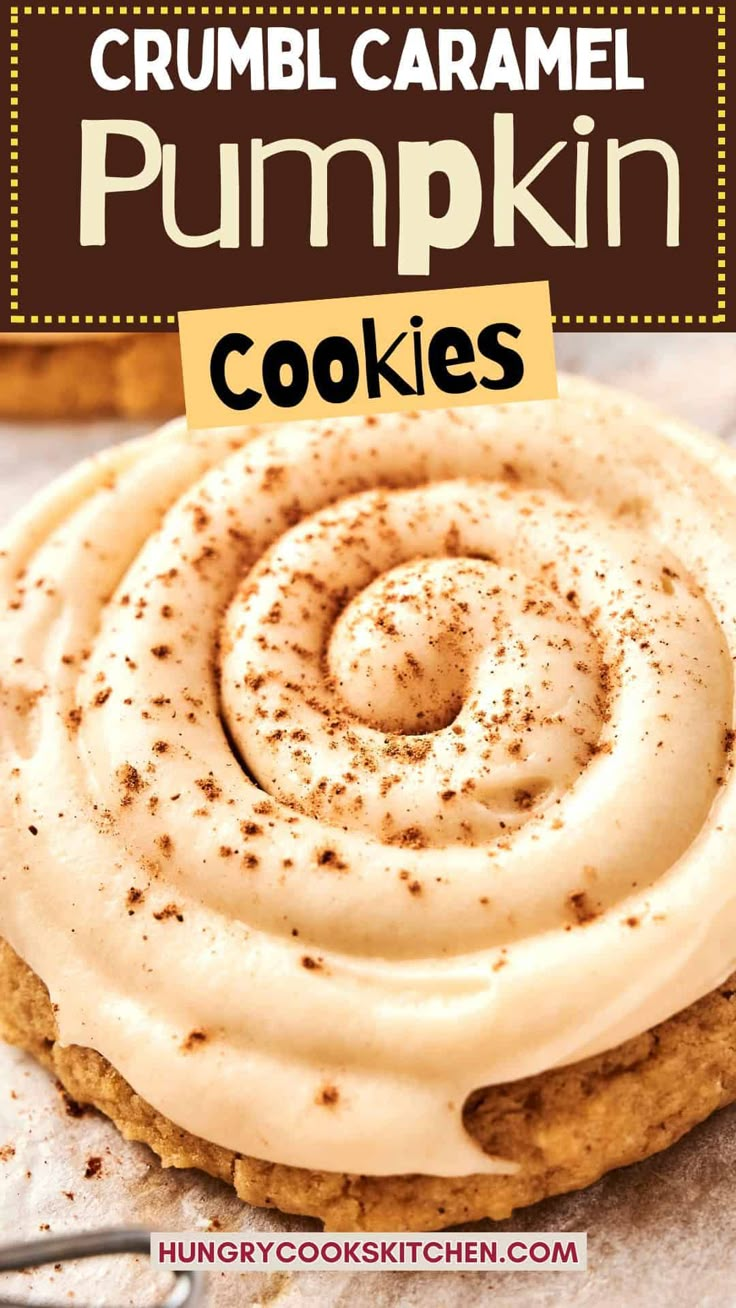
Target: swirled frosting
[[349, 767]]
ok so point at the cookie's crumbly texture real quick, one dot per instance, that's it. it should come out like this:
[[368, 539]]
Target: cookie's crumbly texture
[[134, 376], [565, 1127]]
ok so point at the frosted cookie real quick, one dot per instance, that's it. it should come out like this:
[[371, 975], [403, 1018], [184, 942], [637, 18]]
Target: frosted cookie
[[89, 375], [368, 799]]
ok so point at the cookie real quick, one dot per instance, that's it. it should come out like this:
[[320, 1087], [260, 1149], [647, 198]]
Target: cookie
[[358, 776], [83, 376], [565, 1128]]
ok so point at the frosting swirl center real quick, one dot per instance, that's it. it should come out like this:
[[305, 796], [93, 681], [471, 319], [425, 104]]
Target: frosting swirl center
[[427, 698]]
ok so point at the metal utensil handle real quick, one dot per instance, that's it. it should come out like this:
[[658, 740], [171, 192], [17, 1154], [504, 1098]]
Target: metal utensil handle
[[188, 1288]]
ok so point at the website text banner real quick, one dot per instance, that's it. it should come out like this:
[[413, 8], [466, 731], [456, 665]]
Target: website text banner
[[368, 354], [541, 1251], [170, 157]]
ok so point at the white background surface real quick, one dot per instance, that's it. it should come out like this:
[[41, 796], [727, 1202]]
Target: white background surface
[[660, 1233]]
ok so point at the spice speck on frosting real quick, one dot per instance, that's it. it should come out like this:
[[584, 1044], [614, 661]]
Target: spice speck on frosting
[[582, 907], [209, 787], [194, 1040], [327, 1096]]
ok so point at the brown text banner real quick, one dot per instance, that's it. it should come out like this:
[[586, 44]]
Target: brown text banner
[[171, 157]]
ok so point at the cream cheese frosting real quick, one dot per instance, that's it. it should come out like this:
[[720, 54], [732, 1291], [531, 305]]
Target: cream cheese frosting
[[349, 767]]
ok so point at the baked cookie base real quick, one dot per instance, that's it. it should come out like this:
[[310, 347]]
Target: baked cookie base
[[130, 376], [565, 1128]]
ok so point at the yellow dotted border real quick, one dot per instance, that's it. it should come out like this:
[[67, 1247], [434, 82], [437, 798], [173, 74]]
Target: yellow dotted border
[[721, 161], [229, 11], [519, 10], [14, 145]]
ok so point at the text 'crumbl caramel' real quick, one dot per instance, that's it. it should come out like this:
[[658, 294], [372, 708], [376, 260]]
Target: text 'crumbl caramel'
[[348, 768]]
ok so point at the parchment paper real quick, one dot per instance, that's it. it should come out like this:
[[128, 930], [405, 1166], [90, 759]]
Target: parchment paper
[[660, 1233]]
